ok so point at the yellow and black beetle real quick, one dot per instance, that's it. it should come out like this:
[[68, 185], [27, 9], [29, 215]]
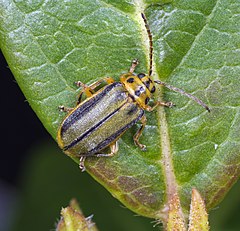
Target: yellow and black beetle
[[102, 118]]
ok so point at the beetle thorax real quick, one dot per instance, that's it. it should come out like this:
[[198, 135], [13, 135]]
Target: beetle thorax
[[139, 87]]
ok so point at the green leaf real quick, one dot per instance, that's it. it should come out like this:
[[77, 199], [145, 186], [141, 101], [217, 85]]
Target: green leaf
[[51, 44]]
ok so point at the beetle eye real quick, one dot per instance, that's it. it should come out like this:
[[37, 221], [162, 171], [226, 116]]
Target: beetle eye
[[141, 75]]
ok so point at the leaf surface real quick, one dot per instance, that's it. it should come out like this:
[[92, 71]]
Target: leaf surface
[[51, 44]]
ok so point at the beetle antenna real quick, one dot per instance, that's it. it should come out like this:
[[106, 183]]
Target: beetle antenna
[[150, 43], [200, 102], [160, 82]]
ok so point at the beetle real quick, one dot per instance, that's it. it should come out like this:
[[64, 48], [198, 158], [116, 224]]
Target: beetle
[[102, 118]]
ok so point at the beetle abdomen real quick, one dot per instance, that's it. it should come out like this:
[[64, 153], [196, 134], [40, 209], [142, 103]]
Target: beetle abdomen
[[98, 121]]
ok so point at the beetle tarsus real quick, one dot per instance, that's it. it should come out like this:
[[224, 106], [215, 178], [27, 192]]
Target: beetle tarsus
[[167, 104], [135, 62], [139, 133], [142, 147], [64, 109], [79, 84], [114, 150], [81, 163]]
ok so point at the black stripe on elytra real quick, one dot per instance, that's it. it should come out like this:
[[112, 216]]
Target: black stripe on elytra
[[89, 131], [86, 107], [130, 80], [153, 89], [113, 137]]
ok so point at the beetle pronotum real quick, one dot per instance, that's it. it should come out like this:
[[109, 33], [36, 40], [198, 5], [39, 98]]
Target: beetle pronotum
[[101, 119]]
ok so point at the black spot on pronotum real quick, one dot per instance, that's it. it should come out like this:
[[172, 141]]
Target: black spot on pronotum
[[153, 89], [130, 80], [141, 75], [137, 92]]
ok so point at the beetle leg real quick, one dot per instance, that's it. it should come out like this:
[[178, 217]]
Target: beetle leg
[[86, 89], [81, 163], [139, 133], [65, 109], [114, 150], [108, 80], [133, 66], [158, 103], [89, 90]]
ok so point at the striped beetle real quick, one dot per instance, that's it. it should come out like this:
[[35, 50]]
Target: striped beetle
[[101, 119]]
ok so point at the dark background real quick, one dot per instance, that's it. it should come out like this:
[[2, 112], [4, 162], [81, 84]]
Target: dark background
[[20, 125], [20, 129]]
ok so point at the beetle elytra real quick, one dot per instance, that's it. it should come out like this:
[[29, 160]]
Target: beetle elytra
[[101, 119]]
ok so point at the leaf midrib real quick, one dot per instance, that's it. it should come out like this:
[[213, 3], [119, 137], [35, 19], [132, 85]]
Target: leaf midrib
[[165, 158]]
